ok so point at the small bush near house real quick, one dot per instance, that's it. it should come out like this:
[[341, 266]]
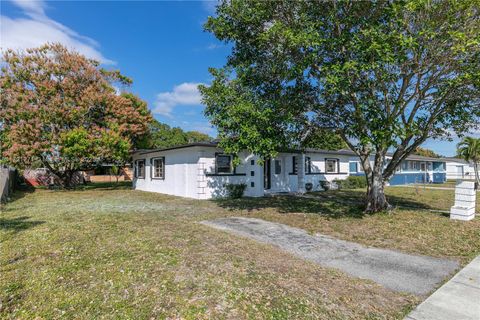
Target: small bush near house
[[235, 191], [325, 185], [352, 182]]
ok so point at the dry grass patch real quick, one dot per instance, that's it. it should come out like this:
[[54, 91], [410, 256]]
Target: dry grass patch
[[116, 253], [423, 230]]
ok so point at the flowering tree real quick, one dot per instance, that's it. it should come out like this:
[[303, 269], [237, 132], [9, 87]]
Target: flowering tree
[[61, 109]]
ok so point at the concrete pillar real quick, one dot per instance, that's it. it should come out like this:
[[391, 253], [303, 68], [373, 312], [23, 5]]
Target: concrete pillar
[[201, 179], [301, 173], [465, 199]]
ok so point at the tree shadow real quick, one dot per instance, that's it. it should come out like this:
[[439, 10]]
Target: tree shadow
[[18, 224], [121, 185], [332, 204], [18, 193]]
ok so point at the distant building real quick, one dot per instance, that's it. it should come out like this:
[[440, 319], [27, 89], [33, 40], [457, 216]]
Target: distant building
[[459, 169]]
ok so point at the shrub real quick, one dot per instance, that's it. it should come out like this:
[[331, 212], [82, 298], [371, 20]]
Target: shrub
[[352, 182], [325, 185], [235, 191]]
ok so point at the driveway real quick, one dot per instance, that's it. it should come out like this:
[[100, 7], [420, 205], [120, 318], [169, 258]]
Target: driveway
[[394, 270]]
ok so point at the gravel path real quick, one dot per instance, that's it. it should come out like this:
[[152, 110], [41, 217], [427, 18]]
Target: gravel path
[[394, 270]]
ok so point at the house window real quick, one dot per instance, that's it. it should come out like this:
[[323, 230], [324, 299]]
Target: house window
[[331, 165], [354, 167], [140, 169], [223, 163], [308, 165], [414, 165], [423, 166], [158, 168], [278, 166]]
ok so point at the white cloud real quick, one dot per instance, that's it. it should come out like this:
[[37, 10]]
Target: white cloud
[[186, 94], [37, 29]]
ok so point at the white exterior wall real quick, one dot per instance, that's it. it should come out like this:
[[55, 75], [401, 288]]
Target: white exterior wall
[[190, 172], [214, 185], [180, 173], [453, 171]]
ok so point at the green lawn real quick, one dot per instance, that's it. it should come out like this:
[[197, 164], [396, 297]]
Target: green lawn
[[105, 252]]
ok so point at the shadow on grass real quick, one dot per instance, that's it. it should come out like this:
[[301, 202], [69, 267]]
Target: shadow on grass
[[19, 192], [121, 185], [332, 204], [18, 224]]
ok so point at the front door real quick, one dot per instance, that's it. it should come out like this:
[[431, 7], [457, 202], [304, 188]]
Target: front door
[[267, 174]]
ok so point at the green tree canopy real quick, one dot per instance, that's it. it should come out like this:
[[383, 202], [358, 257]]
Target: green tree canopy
[[161, 135], [426, 153], [324, 139], [385, 75]]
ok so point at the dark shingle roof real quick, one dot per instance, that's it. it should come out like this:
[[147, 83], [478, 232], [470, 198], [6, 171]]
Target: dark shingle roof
[[346, 152]]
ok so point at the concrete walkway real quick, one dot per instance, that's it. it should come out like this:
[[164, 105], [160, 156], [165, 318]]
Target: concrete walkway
[[459, 298], [394, 270]]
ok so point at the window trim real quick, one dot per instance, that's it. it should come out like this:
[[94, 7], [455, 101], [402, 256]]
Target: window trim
[[337, 167], [144, 169], [152, 168]]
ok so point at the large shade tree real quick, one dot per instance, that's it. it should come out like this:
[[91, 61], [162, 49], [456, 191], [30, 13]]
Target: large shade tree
[[61, 109], [385, 75]]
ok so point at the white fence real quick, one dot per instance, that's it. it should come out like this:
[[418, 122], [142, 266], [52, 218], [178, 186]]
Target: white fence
[[7, 182]]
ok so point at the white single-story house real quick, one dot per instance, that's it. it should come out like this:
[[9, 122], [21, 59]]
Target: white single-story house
[[459, 169], [201, 171]]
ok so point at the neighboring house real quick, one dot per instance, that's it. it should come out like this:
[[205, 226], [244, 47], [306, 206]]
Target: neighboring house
[[415, 169], [459, 169], [201, 170]]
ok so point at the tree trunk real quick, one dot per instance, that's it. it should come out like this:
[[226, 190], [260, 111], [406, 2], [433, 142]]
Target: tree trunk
[[376, 200], [477, 174], [67, 179]]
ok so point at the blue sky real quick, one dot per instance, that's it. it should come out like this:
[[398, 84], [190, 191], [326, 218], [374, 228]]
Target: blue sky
[[161, 45]]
